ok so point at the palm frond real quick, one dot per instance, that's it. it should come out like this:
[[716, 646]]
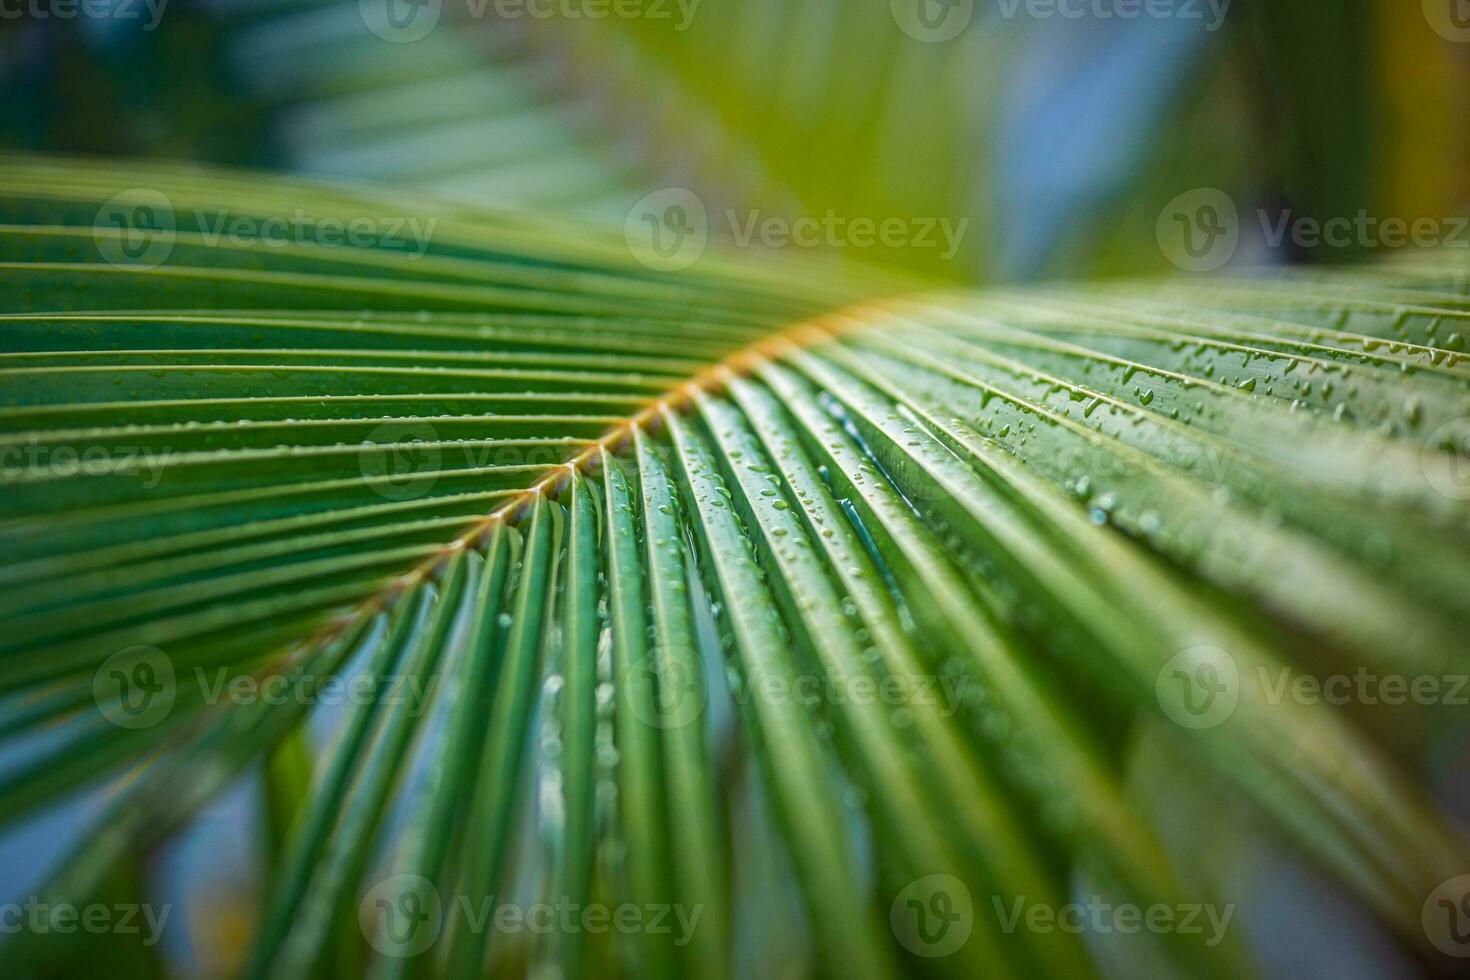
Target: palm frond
[[617, 524]]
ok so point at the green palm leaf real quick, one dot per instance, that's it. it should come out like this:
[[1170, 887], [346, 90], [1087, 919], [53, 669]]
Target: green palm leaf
[[944, 571]]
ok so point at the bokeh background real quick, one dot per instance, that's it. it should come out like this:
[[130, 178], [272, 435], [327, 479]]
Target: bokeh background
[[1058, 128]]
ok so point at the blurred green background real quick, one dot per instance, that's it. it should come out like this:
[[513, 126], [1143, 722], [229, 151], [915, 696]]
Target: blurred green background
[[1056, 129]]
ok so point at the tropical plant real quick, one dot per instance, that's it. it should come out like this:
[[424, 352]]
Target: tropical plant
[[715, 588]]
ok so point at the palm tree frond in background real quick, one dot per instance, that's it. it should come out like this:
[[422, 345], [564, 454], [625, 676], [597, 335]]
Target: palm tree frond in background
[[759, 106]]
